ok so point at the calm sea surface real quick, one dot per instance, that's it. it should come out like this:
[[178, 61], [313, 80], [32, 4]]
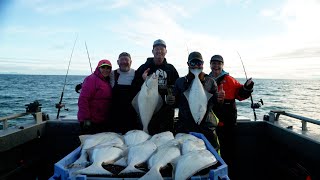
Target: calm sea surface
[[295, 96]]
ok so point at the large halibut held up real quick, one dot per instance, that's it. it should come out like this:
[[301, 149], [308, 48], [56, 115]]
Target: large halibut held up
[[147, 101], [197, 97]]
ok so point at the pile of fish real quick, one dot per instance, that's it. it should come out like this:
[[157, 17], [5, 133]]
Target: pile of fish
[[186, 154]]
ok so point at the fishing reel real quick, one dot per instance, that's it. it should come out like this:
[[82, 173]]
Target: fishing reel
[[60, 105], [257, 105], [33, 107]]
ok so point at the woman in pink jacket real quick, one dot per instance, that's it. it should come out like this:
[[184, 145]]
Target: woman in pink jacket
[[95, 100]]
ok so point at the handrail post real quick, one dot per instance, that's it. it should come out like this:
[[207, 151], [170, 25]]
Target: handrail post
[[271, 116], [304, 126], [5, 124], [38, 117]]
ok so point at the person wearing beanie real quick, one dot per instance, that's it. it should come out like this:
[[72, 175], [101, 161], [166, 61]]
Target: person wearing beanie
[[124, 117], [94, 102], [167, 73], [186, 122], [232, 90]]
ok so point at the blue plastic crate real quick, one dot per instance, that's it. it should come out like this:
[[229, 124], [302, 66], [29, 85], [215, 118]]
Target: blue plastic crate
[[62, 173]]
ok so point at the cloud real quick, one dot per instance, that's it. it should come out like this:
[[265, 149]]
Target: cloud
[[65, 6]]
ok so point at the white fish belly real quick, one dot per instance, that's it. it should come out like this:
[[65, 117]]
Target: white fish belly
[[148, 100], [197, 101]]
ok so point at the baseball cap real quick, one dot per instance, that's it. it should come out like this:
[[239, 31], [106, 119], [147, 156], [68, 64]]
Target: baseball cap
[[195, 56], [104, 62], [159, 42], [216, 58], [124, 54]]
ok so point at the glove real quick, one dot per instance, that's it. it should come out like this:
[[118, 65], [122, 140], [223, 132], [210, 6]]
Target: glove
[[170, 100], [249, 84], [85, 125], [201, 76], [78, 87], [190, 77]]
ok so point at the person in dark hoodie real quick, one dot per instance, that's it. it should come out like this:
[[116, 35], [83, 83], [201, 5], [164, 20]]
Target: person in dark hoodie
[[163, 119]]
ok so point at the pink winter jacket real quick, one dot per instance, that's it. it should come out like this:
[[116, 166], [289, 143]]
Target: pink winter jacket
[[95, 99]]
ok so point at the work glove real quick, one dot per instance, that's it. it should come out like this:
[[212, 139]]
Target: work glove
[[190, 76], [249, 84], [170, 100], [85, 125], [78, 87]]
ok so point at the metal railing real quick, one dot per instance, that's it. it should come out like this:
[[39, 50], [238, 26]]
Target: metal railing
[[274, 116], [4, 120], [33, 108]]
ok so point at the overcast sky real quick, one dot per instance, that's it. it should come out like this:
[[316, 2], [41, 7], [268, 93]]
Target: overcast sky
[[277, 39]]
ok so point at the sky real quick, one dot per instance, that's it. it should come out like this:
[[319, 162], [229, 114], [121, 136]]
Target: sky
[[275, 39]]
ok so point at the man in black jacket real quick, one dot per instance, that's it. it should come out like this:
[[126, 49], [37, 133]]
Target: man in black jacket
[[163, 119]]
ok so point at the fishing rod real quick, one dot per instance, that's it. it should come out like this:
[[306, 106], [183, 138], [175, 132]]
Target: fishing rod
[[88, 56], [60, 105], [253, 105], [79, 86]]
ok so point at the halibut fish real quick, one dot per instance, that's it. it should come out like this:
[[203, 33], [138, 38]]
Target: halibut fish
[[192, 162], [148, 101], [89, 141], [134, 137], [161, 157], [101, 155], [197, 97], [137, 155]]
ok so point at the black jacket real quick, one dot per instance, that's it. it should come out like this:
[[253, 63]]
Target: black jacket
[[186, 122], [167, 74], [163, 119]]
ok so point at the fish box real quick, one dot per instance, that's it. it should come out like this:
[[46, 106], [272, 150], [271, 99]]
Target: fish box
[[61, 172]]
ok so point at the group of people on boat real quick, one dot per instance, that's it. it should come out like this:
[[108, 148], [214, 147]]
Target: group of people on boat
[[105, 98]]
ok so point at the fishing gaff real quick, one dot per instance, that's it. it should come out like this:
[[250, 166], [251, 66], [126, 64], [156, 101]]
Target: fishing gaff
[[60, 105], [252, 104]]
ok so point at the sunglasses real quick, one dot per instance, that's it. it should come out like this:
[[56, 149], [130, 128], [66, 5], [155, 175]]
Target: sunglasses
[[194, 63]]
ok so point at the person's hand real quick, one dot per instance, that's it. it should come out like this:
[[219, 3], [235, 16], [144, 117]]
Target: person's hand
[[249, 84], [170, 99], [201, 76], [221, 94], [190, 76], [145, 74], [86, 125]]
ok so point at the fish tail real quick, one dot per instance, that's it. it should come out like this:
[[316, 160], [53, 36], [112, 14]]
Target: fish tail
[[94, 169], [80, 162], [153, 174], [130, 169]]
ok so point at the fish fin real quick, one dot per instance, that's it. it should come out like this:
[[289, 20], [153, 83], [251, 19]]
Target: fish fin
[[159, 105], [94, 169], [153, 174], [81, 162], [209, 95], [121, 162], [186, 93], [134, 103], [130, 169]]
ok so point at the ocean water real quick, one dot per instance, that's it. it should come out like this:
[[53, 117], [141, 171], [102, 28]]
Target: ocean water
[[300, 97]]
